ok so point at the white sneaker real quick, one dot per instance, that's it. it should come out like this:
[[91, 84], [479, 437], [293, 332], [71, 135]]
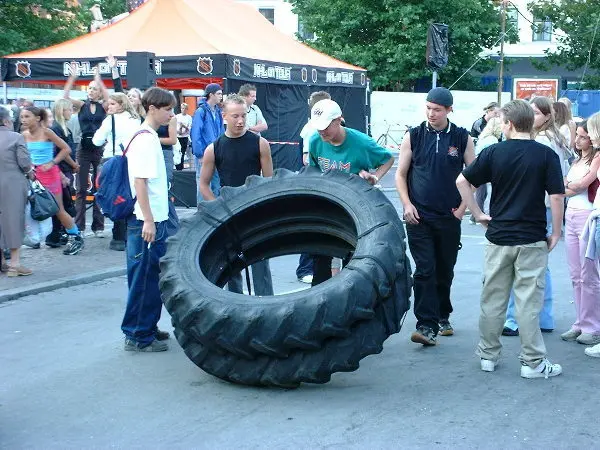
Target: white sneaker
[[545, 370], [488, 366], [99, 234], [306, 279], [594, 351]]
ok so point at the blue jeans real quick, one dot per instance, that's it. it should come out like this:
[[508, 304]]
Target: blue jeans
[[215, 182], [546, 315], [144, 304], [261, 279], [173, 220], [305, 266]]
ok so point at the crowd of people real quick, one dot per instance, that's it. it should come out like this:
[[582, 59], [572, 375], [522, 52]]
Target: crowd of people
[[513, 171], [533, 156]]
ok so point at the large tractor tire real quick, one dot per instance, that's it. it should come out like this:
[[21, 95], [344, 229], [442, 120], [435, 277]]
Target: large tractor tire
[[259, 340], [335, 355]]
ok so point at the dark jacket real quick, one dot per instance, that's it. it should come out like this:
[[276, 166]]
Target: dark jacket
[[478, 127]]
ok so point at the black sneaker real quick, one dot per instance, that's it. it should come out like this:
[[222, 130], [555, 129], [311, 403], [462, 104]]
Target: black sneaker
[[508, 332], [445, 328], [118, 246], [161, 335], [64, 239], [52, 243], [75, 245], [154, 346], [424, 335]]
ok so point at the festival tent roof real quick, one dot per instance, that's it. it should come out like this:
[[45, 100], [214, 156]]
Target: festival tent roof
[[184, 35]]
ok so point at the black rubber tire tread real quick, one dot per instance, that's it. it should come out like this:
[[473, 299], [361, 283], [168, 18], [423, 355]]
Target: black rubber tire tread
[[248, 326], [304, 366]]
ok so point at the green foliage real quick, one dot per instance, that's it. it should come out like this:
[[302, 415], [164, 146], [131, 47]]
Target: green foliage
[[388, 37], [578, 25], [32, 24]]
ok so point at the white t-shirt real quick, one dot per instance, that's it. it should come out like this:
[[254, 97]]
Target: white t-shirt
[[254, 116], [184, 125], [566, 132], [145, 160], [579, 201], [125, 127], [306, 134]]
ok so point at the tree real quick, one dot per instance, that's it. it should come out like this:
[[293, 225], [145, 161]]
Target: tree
[[110, 8], [388, 37], [32, 24], [578, 35]]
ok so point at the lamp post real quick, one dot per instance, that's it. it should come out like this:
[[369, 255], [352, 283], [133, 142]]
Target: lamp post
[[501, 69]]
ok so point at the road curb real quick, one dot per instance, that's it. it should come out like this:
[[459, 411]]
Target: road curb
[[33, 289]]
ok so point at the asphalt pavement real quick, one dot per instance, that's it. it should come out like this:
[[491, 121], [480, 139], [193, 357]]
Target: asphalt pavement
[[65, 382]]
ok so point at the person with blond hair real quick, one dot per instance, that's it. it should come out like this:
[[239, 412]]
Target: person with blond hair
[[584, 272], [90, 114], [184, 126], [63, 110], [114, 134], [118, 127], [563, 119], [593, 124], [572, 120]]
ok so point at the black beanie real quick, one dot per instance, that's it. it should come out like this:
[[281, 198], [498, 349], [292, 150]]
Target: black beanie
[[440, 96]]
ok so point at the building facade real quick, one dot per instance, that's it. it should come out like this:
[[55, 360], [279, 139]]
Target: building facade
[[280, 14]]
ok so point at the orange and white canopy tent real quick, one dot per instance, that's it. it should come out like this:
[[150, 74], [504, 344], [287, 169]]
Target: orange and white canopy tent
[[195, 42]]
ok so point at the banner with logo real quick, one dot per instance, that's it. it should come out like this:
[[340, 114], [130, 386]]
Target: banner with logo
[[196, 66], [528, 88]]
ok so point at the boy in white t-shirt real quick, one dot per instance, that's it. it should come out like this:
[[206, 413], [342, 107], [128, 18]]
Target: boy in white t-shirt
[[147, 227], [184, 126]]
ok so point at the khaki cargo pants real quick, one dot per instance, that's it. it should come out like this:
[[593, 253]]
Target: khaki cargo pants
[[523, 268]]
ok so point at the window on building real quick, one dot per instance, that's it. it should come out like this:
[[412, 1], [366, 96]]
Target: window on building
[[512, 19], [303, 33], [268, 13], [542, 29]]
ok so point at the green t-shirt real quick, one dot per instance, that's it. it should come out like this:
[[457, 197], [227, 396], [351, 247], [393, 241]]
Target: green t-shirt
[[357, 152]]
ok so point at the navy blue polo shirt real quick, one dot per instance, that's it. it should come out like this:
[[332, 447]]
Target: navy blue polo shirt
[[437, 160]]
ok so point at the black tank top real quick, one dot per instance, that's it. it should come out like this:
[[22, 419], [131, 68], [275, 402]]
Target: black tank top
[[237, 158], [163, 132], [89, 122]]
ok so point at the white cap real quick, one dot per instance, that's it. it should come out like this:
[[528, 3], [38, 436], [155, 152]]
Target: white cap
[[323, 113]]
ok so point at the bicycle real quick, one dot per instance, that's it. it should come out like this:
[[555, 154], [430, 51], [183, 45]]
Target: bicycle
[[384, 139]]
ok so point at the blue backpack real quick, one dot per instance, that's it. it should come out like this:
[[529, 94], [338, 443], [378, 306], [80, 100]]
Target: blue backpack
[[113, 192]]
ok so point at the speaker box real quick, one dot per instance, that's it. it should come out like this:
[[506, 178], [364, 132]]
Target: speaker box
[[140, 70], [183, 190]]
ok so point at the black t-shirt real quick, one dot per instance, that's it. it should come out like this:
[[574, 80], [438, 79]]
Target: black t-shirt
[[521, 172], [163, 132], [437, 160], [237, 158]]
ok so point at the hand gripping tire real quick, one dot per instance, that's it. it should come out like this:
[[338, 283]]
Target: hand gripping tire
[[311, 212]]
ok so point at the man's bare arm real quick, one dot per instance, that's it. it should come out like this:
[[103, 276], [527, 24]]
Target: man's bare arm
[[411, 214], [206, 173], [468, 198], [266, 163], [468, 158]]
